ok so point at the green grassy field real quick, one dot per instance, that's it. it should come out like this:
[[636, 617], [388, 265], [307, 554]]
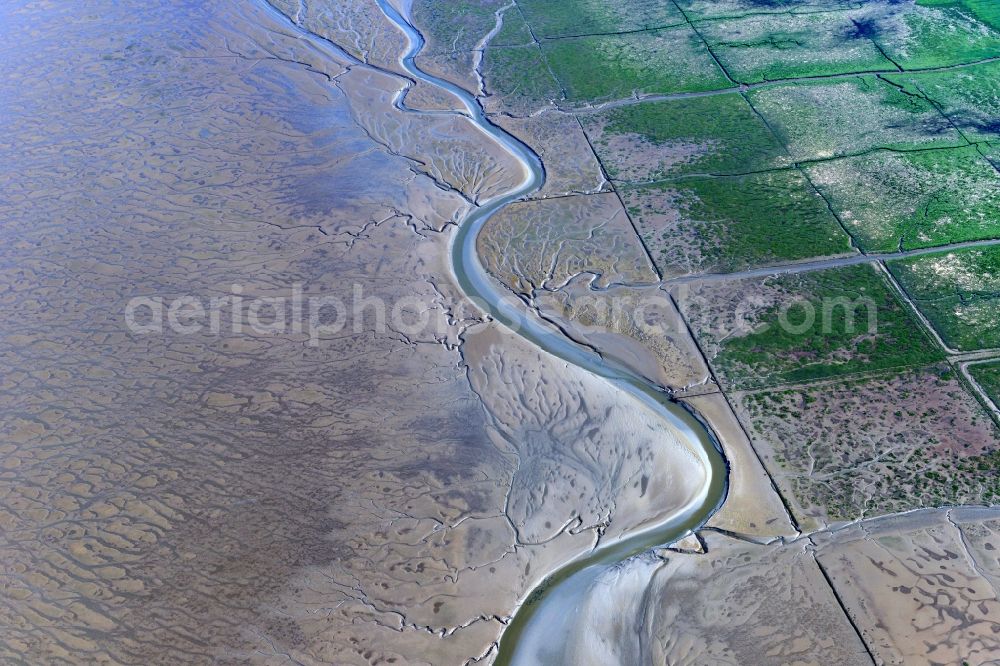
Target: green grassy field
[[719, 134], [709, 9], [891, 200], [514, 31], [519, 76], [987, 11], [987, 375], [940, 34], [958, 292], [820, 120], [969, 96], [562, 18], [992, 153], [699, 225], [612, 66], [781, 46], [809, 326]]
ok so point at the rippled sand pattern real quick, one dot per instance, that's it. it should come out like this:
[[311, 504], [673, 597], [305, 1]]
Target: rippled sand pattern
[[246, 497], [157, 490]]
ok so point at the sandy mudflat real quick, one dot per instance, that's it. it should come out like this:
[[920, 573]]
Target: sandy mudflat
[[919, 588], [385, 495], [381, 491], [923, 587], [570, 164], [752, 507]]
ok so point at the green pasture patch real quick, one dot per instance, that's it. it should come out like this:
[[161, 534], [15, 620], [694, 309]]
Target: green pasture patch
[[992, 153], [821, 120], [704, 225], [519, 77], [899, 201], [958, 292], [717, 134], [986, 11], [782, 46], [987, 375], [607, 67], [969, 96], [514, 31], [563, 18], [710, 9], [921, 37], [805, 326]]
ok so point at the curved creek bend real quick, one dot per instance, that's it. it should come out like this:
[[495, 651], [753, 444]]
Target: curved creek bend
[[549, 610]]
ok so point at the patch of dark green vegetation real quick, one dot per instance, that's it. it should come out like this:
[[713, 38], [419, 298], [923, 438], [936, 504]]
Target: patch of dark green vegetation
[[695, 225], [717, 134], [958, 292], [564, 18], [614, 66], [822, 120], [519, 76], [783, 46], [986, 11], [987, 375], [969, 96], [903, 200], [825, 324]]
